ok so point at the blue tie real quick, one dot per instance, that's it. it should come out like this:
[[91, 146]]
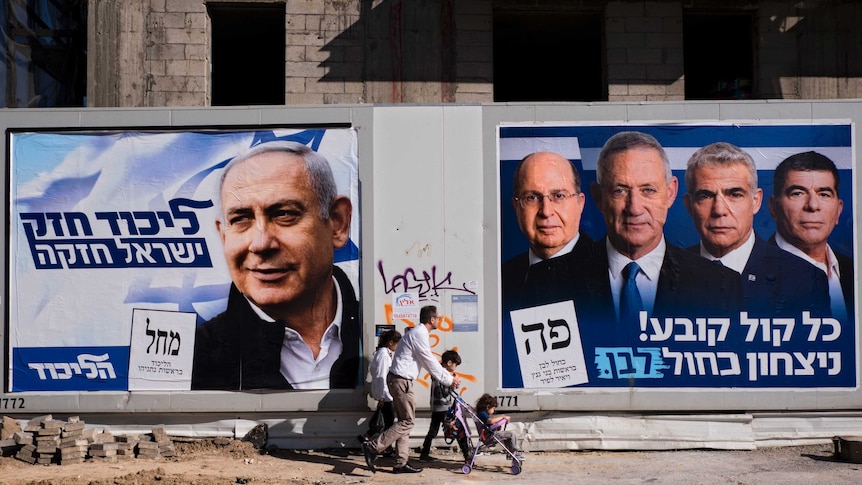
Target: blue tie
[[630, 298]]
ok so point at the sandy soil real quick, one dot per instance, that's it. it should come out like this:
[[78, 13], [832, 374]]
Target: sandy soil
[[202, 462]]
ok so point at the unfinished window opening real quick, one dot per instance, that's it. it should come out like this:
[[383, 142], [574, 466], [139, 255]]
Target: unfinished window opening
[[719, 55], [548, 56], [248, 43], [43, 54]]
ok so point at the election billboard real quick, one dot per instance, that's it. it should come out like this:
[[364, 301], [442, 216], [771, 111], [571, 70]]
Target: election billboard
[[147, 260], [684, 255]]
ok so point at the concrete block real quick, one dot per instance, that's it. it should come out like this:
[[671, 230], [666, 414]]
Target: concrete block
[[294, 53], [185, 6], [626, 72], [186, 36], [305, 7], [354, 87], [644, 55], [185, 67], [23, 438], [306, 38], [664, 40], [481, 70], [626, 40], [10, 427], [663, 72], [166, 51], [36, 423], [483, 7], [196, 20], [624, 9], [330, 54], [662, 9], [618, 89], [304, 69], [480, 23], [672, 24], [295, 23], [644, 24], [319, 86], [164, 20], [303, 98], [294, 85]]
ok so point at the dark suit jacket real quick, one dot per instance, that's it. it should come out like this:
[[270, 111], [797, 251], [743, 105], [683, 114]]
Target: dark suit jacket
[[547, 281], [554, 280], [688, 286], [237, 350], [777, 284], [845, 266]]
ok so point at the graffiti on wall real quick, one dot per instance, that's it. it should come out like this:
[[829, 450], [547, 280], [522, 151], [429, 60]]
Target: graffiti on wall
[[428, 284]]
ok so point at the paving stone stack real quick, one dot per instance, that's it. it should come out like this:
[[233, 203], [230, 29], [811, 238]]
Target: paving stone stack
[[45, 440], [47, 437], [126, 446], [73, 445], [148, 449], [166, 446]]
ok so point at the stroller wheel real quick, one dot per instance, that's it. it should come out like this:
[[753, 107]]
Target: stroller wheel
[[515, 469], [466, 469]]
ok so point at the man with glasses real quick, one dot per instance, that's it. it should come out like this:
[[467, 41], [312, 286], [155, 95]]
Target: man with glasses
[[412, 353], [548, 203]]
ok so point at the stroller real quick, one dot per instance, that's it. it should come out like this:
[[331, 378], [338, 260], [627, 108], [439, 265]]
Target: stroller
[[456, 426]]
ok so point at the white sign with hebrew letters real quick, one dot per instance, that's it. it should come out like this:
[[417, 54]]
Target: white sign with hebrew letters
[[549, 345], [161, 352]]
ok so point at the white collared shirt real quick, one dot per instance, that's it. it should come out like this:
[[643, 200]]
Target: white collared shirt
[[833, 275], [534, 258], [298, 364], [413, 352], [736, 259], [646, 279], [379, 368]]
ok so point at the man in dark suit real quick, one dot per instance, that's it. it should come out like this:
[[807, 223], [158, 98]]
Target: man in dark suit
[[722, 198], [292, 320], [637, 270], [806, 206], [548, 203]]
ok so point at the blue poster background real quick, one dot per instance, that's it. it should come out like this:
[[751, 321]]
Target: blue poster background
[[640, 364]]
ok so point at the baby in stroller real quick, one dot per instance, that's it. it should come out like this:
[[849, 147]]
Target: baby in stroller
[[492, 430], [485, 407]]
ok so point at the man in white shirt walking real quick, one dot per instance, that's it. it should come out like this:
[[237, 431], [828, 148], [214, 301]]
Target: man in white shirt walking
[[412, 354]]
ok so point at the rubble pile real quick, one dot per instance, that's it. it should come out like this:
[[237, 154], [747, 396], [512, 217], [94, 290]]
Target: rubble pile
[[45, 440]]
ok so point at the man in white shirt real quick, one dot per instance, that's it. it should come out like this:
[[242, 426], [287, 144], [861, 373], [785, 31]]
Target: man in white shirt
[[412, 354], [806, 206], [722, 198]]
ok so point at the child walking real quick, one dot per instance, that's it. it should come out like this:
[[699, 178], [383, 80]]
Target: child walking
[[441, 400], [380, 364]]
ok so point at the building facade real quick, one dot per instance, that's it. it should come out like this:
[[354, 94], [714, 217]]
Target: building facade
[[170, 52]]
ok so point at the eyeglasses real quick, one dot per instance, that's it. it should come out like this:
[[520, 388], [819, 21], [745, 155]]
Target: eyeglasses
[[532, 200]]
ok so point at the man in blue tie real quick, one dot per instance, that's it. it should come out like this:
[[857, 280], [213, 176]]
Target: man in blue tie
[[722, 198], [637, 269]]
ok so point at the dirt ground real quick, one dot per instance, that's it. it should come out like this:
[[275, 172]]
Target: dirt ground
[[202, 462]]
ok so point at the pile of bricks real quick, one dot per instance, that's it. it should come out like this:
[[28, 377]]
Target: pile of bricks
[[45, 440]]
